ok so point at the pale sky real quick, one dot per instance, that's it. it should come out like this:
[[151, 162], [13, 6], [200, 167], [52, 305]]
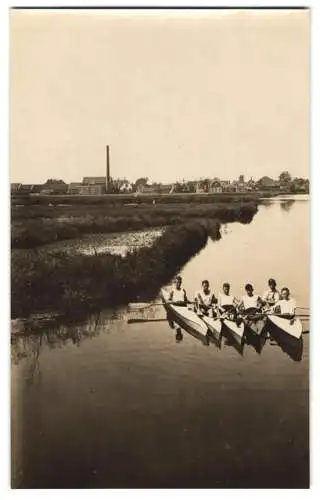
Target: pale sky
[[176, 94]]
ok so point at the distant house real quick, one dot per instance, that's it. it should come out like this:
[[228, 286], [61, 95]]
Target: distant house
[[233, 187], [215, 187], [54, 188], [226, 186], [92, 189], [266, 183], [166, 188], [241, 187], [26, 188], [191, 186], [74, 187], [200, 188], [87, 181], [15, 187], [37, 188], [147, 189]]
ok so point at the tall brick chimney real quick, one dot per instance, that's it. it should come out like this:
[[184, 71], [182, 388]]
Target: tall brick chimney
[[107, 169]]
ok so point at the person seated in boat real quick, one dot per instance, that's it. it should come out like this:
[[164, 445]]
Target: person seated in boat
[[205, 299], [286, 306], [250, 303], [271, 296], [178, 295], [227, 302]]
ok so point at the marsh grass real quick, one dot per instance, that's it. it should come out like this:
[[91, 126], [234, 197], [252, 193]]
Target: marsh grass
[[66, 283], [35, 226]]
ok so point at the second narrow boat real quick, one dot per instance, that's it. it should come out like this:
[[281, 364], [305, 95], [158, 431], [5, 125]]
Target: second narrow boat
[[233, 330], [214, 325]]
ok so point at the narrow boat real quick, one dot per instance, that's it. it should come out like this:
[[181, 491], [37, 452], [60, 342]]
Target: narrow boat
[[184, 317], [232, 330], [215, 330], [255, 324], [214, 324], [234, 334], [285, 326], [288, 337]]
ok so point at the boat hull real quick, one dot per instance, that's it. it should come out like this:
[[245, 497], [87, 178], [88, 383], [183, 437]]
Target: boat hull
[[214, 325], [232, 330], [255, 326], [185, 318], [290, 344], [283, 326]]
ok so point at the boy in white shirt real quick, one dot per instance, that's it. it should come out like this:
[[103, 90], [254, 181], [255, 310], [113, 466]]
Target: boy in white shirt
[[227, 303], [271, 296], [178, 294], [205, 298], [286, 306], [250, 302]]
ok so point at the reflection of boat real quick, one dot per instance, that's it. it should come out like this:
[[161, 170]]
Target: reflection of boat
[[286, 205], [184, 317], [290, 345], [238, 346], [292, 328], [256, 341]]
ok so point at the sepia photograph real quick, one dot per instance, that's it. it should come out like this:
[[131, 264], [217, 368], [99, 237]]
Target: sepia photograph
[[160, 248]]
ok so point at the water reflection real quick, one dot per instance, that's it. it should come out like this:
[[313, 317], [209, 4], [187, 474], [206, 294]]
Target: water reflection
[[27, 346], [28, 349], [286, 205], [231, 342], [105, 392], [257, 341], [292, 346]]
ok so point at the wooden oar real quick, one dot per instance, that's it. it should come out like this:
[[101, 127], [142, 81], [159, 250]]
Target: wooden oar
[[259, 315], [295, 315], [143, 305], [142, 320]]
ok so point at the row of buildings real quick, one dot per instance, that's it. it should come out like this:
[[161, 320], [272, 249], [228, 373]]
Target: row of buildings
[[89, 186], [96, 186]]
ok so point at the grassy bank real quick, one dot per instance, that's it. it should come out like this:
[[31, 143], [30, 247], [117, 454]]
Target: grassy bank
[[83, 283], [37, 225], [138, 199]]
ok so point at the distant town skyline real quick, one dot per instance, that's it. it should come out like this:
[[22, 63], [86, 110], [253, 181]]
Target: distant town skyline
[[176, 94]]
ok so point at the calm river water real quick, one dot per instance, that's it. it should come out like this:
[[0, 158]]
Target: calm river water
[[110, 404]]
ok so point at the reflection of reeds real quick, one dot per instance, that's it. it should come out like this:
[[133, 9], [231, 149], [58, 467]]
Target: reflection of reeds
[[28, 347], [34, 226]]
